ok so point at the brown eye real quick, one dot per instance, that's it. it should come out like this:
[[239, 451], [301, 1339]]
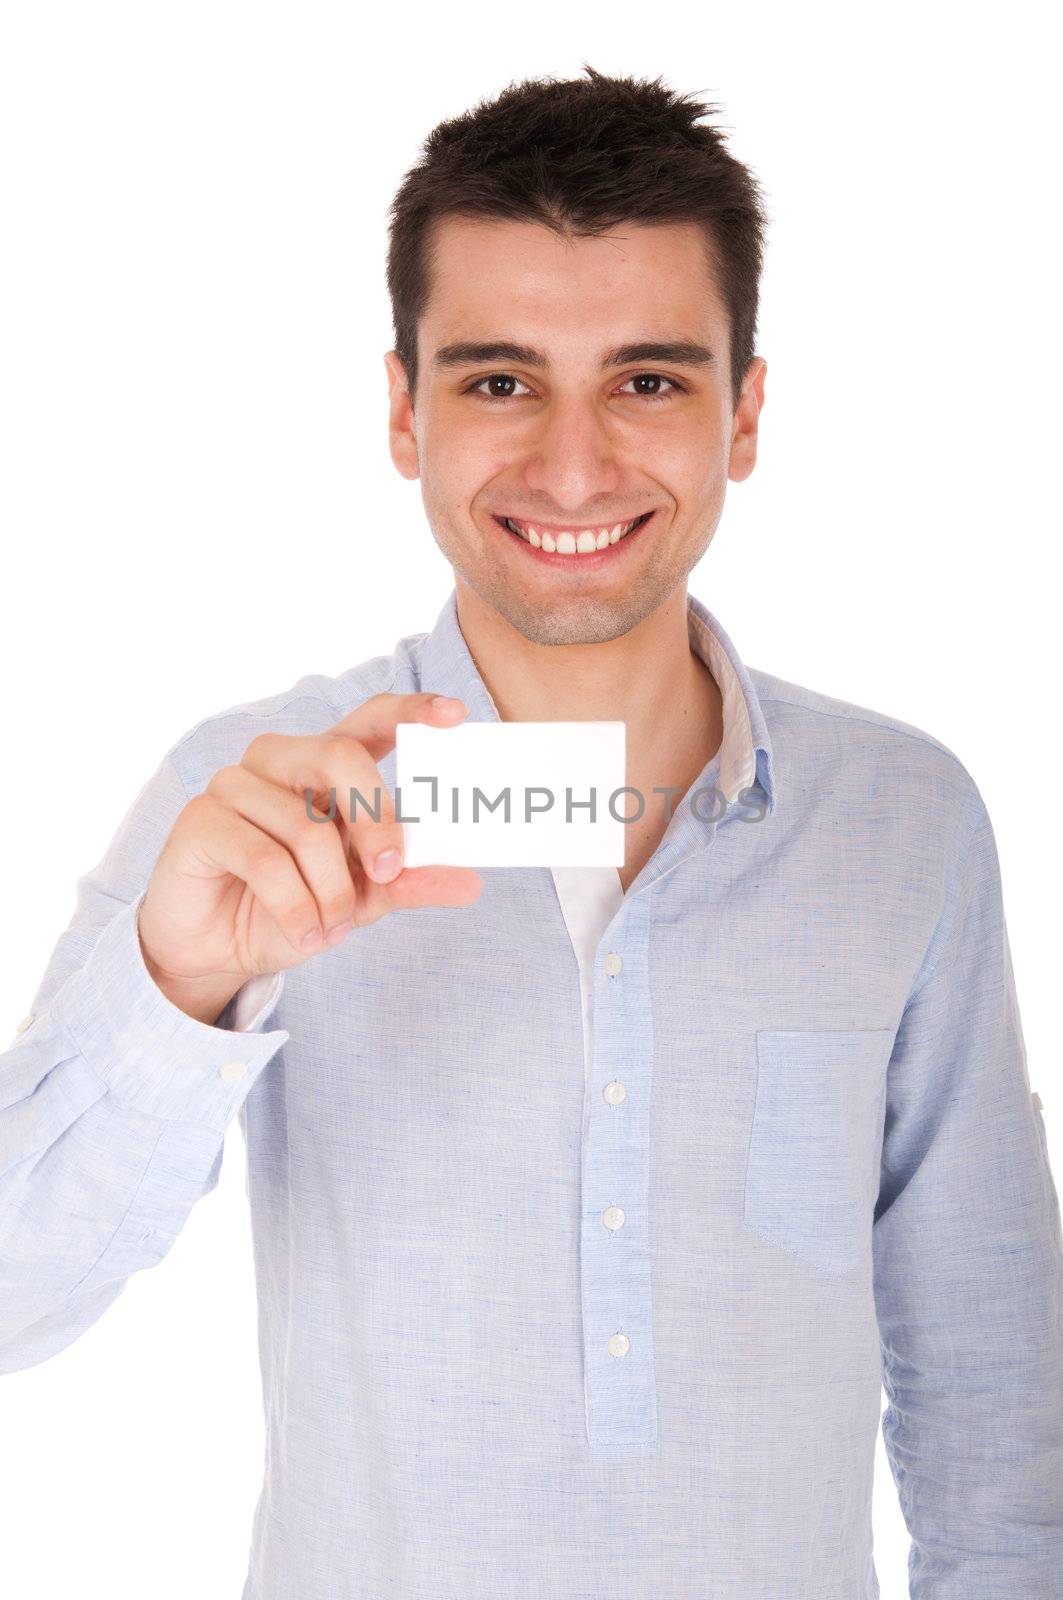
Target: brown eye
[[658, 378], [493, 378]]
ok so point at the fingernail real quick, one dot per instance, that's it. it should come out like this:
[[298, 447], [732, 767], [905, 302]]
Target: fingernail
[[387, 865], [445, 701], [309, 940], [339, 932]]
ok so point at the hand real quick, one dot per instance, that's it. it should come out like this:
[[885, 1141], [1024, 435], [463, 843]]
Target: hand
[[248, 883]]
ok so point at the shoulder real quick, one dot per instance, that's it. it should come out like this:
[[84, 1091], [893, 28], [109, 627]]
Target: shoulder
[[817, 738]]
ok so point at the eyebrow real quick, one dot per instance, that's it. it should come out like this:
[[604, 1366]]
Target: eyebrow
[[677, 352]]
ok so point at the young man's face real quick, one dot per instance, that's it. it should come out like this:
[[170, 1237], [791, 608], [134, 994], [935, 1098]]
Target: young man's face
[[572, 441]]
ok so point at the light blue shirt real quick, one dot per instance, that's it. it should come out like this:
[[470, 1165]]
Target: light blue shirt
[[553, 1314]]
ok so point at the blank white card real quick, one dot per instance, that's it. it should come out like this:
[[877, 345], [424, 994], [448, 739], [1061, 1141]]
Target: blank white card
[[512, 794]]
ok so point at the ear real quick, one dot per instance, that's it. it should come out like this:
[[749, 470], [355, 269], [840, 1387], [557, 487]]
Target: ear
[[746, 421], [402, 433]]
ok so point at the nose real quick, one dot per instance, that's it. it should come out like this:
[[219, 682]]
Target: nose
[[571, 461]]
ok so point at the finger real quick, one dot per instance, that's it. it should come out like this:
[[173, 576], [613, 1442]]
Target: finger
[[316, 847], [413, 888], [225, 840], [418, 887], [373, 723], [336, 771]]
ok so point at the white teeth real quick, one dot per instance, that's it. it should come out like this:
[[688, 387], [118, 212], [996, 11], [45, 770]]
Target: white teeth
[[568, 542]]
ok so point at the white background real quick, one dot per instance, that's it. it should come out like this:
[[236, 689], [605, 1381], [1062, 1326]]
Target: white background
[[198, 507]]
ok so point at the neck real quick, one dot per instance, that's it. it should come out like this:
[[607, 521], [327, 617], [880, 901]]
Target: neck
[[648, 678]]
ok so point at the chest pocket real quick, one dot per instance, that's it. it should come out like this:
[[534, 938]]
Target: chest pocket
[[812, 1173]]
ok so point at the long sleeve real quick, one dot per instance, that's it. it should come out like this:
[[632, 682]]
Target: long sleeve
[[969, 1265], [113, 1102]]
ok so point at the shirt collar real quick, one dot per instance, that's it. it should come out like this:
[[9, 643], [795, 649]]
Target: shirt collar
[[745, 755]]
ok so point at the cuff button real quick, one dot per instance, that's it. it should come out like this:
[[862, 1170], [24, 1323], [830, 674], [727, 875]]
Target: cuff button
[[232, 1071]]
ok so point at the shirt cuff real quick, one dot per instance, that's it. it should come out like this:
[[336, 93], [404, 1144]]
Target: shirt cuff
[[151, 1055]]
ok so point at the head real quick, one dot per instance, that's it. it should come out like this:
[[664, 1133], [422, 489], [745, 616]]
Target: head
[[574, 273]]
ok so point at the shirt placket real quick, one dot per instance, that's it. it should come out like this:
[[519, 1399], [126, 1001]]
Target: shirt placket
[[619, 1383], [620, 1389]]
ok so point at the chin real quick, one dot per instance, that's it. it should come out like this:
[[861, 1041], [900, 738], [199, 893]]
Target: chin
[[581, 620]]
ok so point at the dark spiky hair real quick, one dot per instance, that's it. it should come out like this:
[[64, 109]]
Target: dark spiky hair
[[582, 156]]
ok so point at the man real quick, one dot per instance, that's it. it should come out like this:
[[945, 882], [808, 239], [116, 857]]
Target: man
[[591, 1210]]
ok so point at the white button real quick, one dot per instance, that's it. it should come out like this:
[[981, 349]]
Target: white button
[[619, 1344], [613, 1217], [1037, 1101], [24, 1024], [612, 964], [232, 1071], [614, 1093]]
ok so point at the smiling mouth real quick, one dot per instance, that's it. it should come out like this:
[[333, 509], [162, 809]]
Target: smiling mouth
[[572, 541]]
